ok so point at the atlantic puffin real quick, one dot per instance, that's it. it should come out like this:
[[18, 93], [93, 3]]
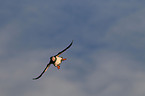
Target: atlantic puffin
[[55, 60]]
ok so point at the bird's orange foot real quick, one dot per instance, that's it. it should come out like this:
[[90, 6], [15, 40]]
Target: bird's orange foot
[[63, 59], [58, 67]]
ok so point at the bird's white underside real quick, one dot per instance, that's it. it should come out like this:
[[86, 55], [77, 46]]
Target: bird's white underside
[[58, 61]]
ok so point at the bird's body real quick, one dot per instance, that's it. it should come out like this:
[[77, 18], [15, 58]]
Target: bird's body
[[58, 60], [55, 60]]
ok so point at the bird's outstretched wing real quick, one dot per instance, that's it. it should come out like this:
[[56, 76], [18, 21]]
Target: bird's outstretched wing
[[42, 72], [64, 49]]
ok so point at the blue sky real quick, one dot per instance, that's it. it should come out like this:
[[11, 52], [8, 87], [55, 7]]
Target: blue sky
[[106, 59]]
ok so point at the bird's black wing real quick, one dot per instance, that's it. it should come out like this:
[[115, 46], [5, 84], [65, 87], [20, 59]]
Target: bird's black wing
[[64, 49], [42, 72]]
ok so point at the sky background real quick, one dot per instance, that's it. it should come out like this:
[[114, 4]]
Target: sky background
[[106, 58]]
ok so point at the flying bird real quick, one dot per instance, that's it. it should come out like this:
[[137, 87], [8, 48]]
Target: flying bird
[[55, 60]]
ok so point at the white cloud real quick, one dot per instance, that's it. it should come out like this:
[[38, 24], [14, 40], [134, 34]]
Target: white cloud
[[115, 74], [17, 79]]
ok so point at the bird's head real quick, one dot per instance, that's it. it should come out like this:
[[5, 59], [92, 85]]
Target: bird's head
[[52, 58]]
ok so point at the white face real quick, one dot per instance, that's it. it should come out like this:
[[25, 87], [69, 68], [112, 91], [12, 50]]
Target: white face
[[53, 58]]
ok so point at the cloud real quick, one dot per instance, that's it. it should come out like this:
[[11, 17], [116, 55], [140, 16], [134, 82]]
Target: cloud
[[115, 74], [17, 79]]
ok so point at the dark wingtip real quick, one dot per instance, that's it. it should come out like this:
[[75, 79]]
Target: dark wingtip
[[34, 79], [37, 77], [71, 42]]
